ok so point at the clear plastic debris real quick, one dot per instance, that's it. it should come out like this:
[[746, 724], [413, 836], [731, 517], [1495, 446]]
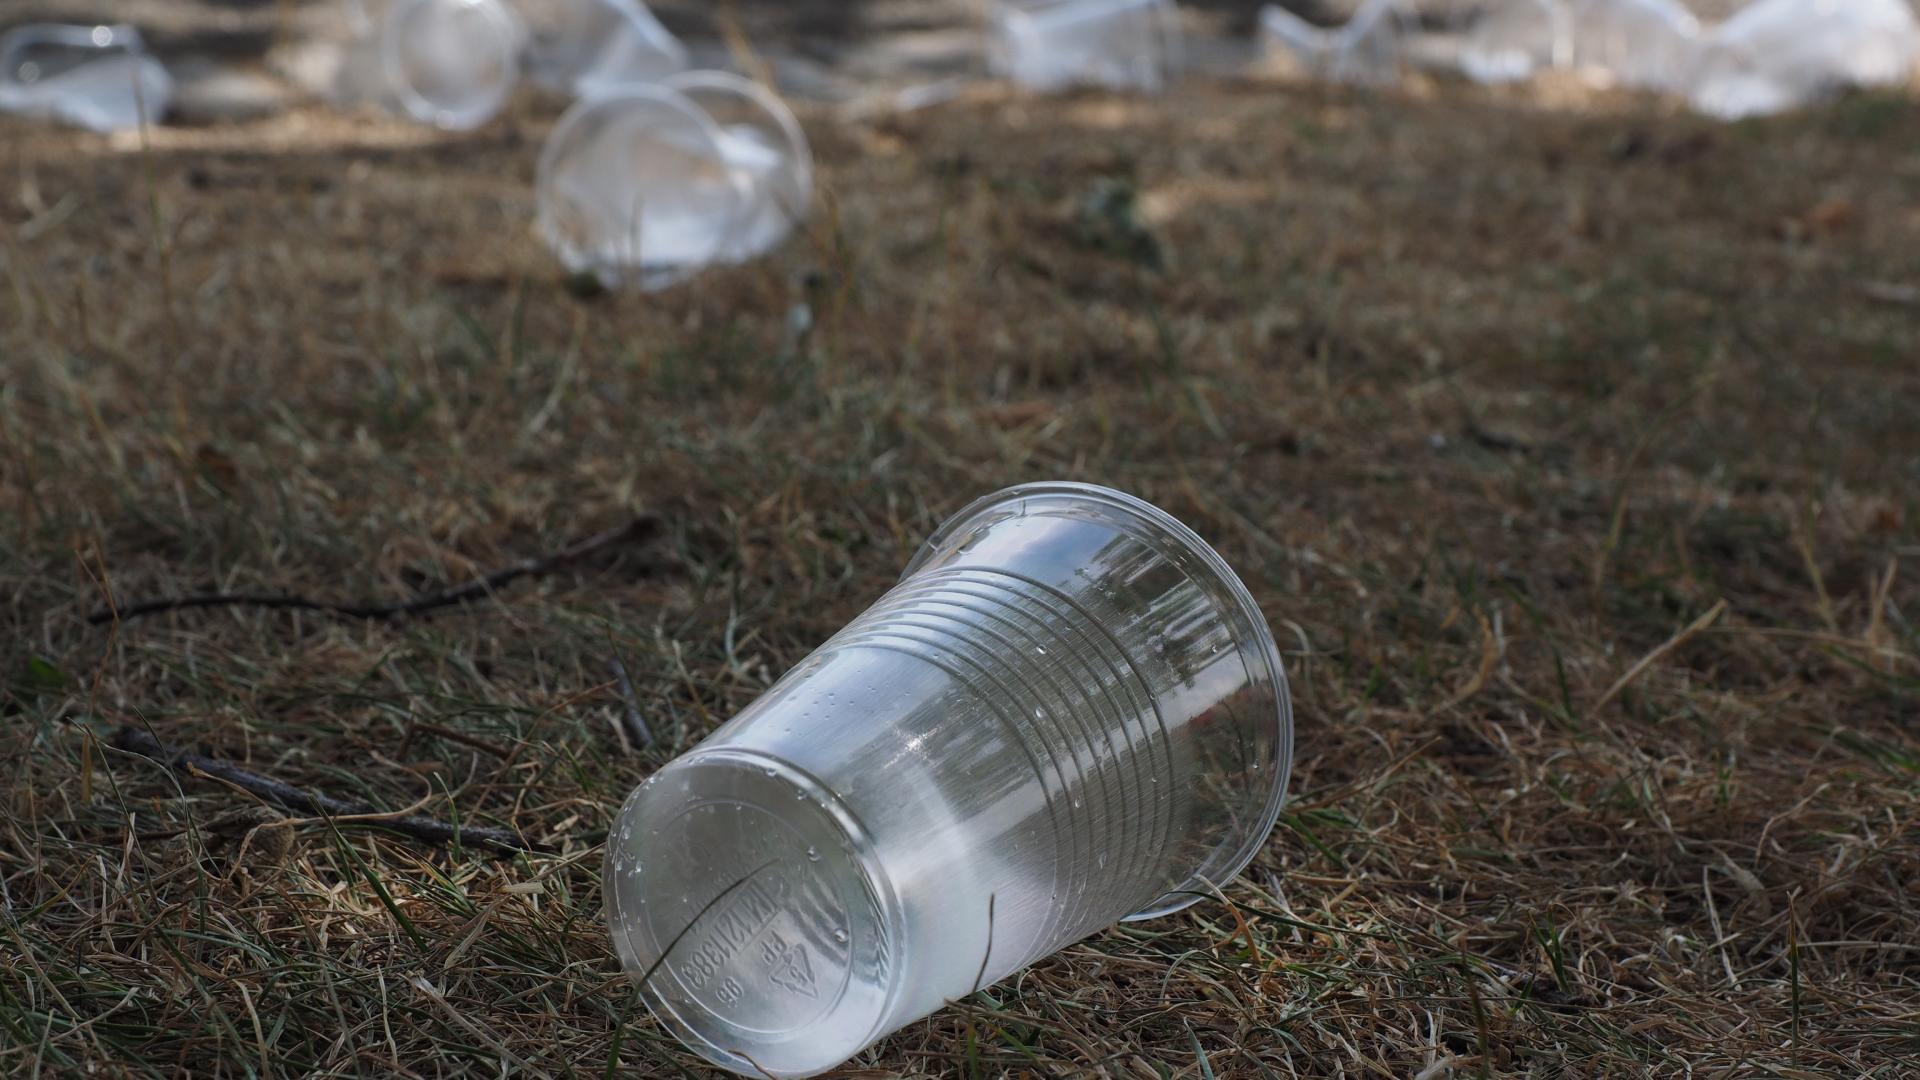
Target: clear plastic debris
[[1368, 48], [1780, 54], [583, 47], [1637, 44], [1050, 45], [95, 77], [1515, 40], [644, 186]]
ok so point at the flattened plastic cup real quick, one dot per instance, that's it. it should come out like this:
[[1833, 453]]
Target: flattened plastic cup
[[1069, 712], [95, 77], [583, 47], [1057, 44], [451, 63]]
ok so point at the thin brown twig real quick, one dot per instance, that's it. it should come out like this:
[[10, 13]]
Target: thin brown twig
[[639, 529], [428, 830]]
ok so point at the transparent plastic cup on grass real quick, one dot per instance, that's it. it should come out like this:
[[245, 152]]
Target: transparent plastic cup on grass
[[1637, 44], [1069, 712], [95, 77], [1369, 48], [585, 47], [646, 185], [1514, 40], [1058, 44], [762, 140], [1775, 55], [451, 63]]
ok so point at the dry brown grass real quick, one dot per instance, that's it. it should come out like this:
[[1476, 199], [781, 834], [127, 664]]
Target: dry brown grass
[[1490, 405]]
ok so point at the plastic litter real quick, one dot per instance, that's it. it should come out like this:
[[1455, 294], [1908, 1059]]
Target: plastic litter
[[1069, 712], [1514, 40], [1050, 45], [1776, 55], [645, 185], [1368, 48], [451, 63], [95, 77], [1637, 44], [760, 138], [584, 47]]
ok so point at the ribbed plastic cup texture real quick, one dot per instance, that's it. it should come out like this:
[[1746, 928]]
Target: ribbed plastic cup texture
[[1056, 44], [1068, 713]]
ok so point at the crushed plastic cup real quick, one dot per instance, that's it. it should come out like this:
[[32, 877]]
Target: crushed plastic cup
[[1776, 55], [1368, 48], [1069, 712], [1514, 40], [95, 77], [646, 185], [1050, 45], [1637, 44], [450, 63], [589, 47]]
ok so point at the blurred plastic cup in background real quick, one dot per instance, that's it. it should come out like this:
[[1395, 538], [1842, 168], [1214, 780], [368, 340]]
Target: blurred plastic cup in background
[[646, 185], [1514, 40], [1068, 712], [1368, 48], [95, 77], [762, 140], [451, 63], [589, 47], [634, 187], [1638, 44], [1775, 55], [1057, 44]]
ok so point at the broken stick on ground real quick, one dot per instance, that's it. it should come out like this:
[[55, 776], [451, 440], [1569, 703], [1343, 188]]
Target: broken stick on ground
[[639, 529]]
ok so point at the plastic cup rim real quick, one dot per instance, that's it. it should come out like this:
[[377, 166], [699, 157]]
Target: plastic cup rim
[[762, 98], [423, 108]]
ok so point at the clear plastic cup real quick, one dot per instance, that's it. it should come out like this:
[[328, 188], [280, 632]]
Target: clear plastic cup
[[762, 139], [1069, 712], [583, 47], [451, 63], [1056, 44], [1369, 48], [1775, 55], [1639, 44], [1513, 40], [95, 77], [646, 185]]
